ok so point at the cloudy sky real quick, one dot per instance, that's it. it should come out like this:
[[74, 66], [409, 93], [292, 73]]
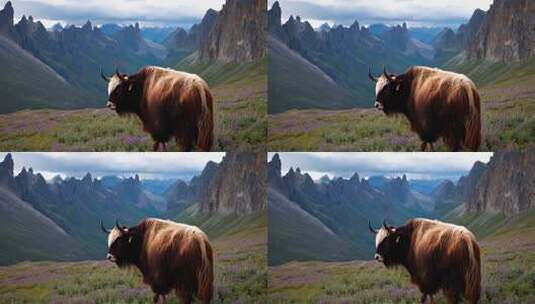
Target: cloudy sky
[[147, 165], [414, 165], [415, 12], [148, 12]]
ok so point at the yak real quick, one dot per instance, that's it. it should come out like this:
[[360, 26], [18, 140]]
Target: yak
[[171, 256], [168, 102], [438, 104], [437, 256]]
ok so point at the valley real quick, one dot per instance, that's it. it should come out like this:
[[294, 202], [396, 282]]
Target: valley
[[62, 109], [506, 279], [494, 200], [490, 48], [508, 120], [56, 249]]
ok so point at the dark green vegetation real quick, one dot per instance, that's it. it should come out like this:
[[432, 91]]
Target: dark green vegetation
[[240, 113], [292, 75], [240, 275], [19, 70], [28, 233], [508, 256], [508, 118]]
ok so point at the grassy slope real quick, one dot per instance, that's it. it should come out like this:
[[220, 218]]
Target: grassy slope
[[508, 261], [25, 232], [297, 84], [240, 270], [508, 109], [22, 72], [241, 103]]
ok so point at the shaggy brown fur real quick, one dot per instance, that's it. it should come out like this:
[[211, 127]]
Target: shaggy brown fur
[[437, 255], [169, 104], [171, 256], [438, 104]]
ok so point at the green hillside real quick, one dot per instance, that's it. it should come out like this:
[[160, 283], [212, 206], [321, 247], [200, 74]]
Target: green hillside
[[24, 75], [294, 83], [508, 262], [294, 234], [27, 234], [508, 118]]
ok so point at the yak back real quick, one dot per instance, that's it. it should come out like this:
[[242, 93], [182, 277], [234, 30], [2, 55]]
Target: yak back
[[174, 253], [442, 255]]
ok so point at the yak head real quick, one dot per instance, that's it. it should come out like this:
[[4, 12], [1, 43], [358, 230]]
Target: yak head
[[124, 92], [390, 244], [390, 92], [124, 244]]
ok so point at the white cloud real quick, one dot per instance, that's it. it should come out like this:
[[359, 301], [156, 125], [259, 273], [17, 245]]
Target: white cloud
[[416, 12], [147, 165], [415, 165], [147, 12]]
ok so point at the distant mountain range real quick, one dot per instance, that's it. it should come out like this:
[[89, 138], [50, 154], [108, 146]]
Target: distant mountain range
[[70, 209], [340, 56], [60, 68], [327, 219]]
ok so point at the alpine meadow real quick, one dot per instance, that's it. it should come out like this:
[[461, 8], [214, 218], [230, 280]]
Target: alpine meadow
[[328, 109], [324, 251], [57, 250], [55, 97]]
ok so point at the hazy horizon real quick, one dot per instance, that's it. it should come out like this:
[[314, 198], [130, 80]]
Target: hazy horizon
[[146, 165], [416, 13], [416, 166], [147, 13]]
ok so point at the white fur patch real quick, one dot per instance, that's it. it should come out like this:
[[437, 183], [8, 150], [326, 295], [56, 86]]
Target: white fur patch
[[114, 234], [381, 83], [113, 84], [381, 235]]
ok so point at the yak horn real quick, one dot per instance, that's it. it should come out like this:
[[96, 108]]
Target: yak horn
[[385, 73], [373, 78], [103, 228], [106, 78], [371, 228]]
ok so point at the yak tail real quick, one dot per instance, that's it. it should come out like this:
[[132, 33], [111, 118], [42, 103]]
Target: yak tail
[[205, 124], [472, 125], [472, 291], [205, 276]]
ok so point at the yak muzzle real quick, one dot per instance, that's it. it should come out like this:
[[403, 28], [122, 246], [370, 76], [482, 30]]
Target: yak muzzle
[[110, 258], [378, 258], [110, 105], [379, 106]]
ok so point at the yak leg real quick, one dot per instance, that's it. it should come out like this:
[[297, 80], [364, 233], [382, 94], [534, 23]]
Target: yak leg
[[155, 146], [432, 147], [423, 298], [423, 147], [164, 147], [156, 298], [432, 300], [451, 296]]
